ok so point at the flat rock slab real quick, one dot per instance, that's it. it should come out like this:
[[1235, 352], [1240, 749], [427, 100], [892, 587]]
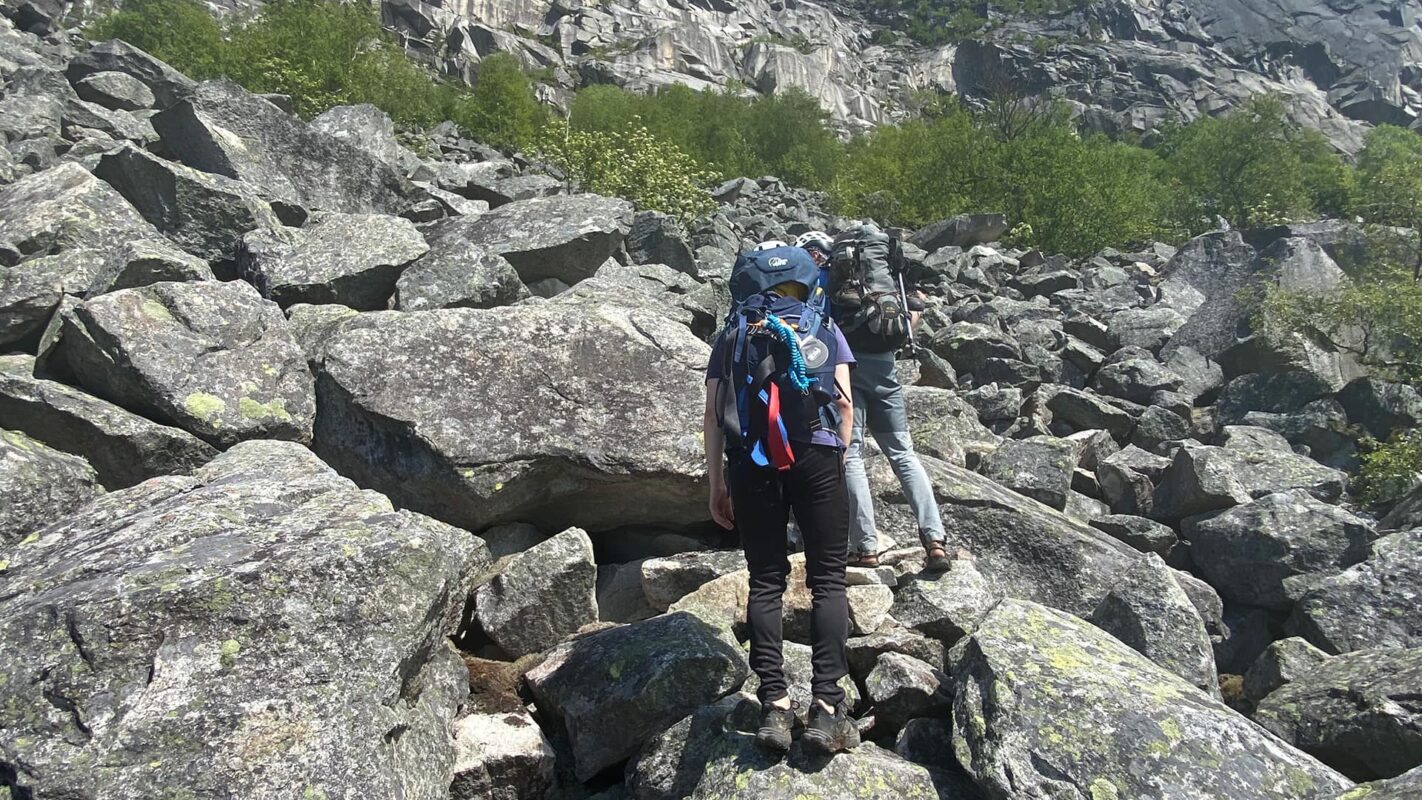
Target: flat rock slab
[[554, 414], [1374, 603], [259, 626], [1048, 705], [212, 358], [349, 259]]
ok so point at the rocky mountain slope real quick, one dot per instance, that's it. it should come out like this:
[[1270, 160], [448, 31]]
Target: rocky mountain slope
[[1124, 65], [330, 470]]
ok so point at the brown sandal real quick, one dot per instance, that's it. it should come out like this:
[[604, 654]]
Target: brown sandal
[[937, 558], [867, 560]]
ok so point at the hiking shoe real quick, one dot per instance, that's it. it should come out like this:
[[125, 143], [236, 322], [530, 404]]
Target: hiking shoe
[[775, 726], [936, 559], [830, 733]]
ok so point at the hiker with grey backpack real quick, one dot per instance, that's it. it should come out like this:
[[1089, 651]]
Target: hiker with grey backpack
[[869, 300], [778, 409]]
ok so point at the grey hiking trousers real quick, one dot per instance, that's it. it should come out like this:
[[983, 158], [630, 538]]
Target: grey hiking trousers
[[879, 407]]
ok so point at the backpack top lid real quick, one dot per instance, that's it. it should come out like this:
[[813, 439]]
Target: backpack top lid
[[758, 270]]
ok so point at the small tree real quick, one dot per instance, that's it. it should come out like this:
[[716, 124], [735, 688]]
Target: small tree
[[652, 173], [1390, 184], [180, 32], [502, 109]]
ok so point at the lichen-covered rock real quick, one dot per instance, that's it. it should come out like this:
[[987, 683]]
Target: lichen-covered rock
[[1199, 480], [946, 606], [565, 237], [1281, 663], [1081, 411], [1048, 705], [553, 414], [501, 755], [1406, 514], [214, 359], [221, 128], [116, 55], [1136, 379], [1406, 786], [114, 90], [456, 273], [667, 579], [946, 427], [1268, 552], [39, 485], [370, 129], [1040, 467], [350, 259], [902, 687], [541, 595], [1374, 603], [205, 214], [656, 238], [123, 448], [1145, 535], [864, 651], [612, 690], [1357, 712], [64, 208], [713, 753], [260, 627], [1150, 613], [1127, 479]]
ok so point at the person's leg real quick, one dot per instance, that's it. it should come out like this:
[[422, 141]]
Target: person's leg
[[886, 414], [816, 489], [761, 514], [863, 536]]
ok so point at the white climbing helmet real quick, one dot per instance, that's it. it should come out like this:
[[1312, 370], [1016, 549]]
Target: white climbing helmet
[[816, 239], [770, 244]]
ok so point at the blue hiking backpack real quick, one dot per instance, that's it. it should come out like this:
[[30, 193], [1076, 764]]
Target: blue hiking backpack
[[778, 359]]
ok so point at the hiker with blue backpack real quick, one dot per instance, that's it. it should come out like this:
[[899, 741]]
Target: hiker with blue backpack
[[778, 408], [870, 303]]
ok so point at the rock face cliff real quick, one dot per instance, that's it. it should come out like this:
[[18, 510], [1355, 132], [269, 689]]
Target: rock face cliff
[[1124, 65]]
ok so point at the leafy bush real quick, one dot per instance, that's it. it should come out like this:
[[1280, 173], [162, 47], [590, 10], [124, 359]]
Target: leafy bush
[[324, 53], [180, 32], [651, 172], [1390, 469]]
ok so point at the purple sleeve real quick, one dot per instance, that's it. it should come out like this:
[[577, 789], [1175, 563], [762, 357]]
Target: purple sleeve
[[846, 355], [715, 368]]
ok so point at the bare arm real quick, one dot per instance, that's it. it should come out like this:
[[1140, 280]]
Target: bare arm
[[845, 404], [720, 502]]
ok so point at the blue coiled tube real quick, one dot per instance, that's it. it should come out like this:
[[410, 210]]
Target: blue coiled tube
[[799, 375]]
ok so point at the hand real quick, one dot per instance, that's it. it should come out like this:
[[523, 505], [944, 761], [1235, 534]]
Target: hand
[[721, 509]]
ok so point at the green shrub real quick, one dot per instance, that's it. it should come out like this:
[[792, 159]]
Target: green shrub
[[651, 172], [1390, 470], [180, 32], [501, 110]]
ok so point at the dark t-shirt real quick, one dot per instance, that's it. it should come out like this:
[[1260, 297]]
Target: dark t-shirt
[[715, 371]]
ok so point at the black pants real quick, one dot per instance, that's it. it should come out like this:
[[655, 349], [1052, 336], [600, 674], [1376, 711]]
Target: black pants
[[762, 498]]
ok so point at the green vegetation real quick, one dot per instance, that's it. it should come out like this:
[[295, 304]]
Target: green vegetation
[[1390, 469], [324, 54], [651, 172]]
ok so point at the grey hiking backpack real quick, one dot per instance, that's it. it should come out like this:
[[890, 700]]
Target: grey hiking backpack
[[866, 295]]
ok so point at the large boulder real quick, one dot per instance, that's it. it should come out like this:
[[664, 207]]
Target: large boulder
[[1407, 513], [945, 606], [657, 238], [1382, 407], [901, 688], [39, 485], [1048, 705], [205, 214], [259, 626], [945, 426], [123, 447], [611, 691], [349, 259], [64, 208], [1356, 712], [1204, 283], [167, 84], [1373, 603], [567, 237], [116, 91], [220, 127], [541, 595], [964, 230], [1149, 611], [370, 129], [456, 273], [1199, 479], [553, 414], [1269, 552], [1281, 663], [1040, 467], [214, 359], [712, 753], [667, 579]]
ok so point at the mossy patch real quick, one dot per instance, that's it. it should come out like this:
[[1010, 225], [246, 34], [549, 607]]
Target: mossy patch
[[253, 410], [230, 649], [204, 406]]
